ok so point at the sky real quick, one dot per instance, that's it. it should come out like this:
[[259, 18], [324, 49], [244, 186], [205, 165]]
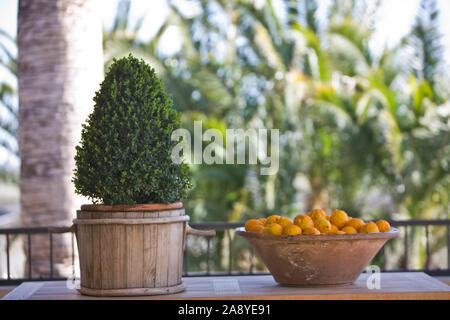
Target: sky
[[396, 18]]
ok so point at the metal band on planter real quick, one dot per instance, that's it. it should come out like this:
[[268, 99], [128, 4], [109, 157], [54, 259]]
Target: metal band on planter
[[132, 221]]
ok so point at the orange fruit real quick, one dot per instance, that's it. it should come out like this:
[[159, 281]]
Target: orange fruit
[[257, 228], [361, 230], [311, 231], [317, 214], [339, 232], [272, 219], [369, 227], [333, 229], [274, 229], [284, 222], [323, 225], [349, 229], [328, 218], [298, 218], [339, 218], [292, 230], [304, 221], [383, 226], [254, 225], [263, 220], [355, 223]]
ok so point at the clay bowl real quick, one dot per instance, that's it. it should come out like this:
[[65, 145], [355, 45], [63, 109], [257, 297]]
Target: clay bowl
[[311, 260]]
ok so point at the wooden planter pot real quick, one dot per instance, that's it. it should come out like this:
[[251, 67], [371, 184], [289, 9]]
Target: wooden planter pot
[[132, 250]]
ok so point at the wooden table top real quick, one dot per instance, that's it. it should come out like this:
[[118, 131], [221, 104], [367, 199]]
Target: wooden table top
[[407, 285]]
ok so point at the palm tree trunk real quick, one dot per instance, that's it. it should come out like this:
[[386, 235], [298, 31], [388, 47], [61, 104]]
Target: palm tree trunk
[[60, 65]]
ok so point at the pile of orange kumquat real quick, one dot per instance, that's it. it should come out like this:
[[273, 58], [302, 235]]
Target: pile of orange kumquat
[[315, 222]]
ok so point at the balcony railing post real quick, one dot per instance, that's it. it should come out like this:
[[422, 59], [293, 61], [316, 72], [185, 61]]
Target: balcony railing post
[[73, 253], [230, 252], [208, 267], [406, 247], [8, 264], [29, 256], [448, 246], [251, 260], [51, 255], [427, 248]]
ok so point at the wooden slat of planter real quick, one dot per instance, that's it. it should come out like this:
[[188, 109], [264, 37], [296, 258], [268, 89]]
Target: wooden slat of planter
[[87, 214], [173, 254], [150, 248], [81, 240], [106, 242], [96, 256], [119, 253], [171, 213], [85, 249], [135, 241], [180, 270], [164, 213], [162, 256], [183, 239], [178, 254]]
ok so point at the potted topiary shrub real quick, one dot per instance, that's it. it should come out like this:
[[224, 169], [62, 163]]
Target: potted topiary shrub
[[131, 239]]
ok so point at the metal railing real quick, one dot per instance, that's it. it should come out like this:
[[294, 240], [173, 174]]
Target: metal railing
[[225, 232], [28, 232]]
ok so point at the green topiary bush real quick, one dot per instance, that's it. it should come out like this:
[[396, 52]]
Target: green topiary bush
[[124, 156]]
